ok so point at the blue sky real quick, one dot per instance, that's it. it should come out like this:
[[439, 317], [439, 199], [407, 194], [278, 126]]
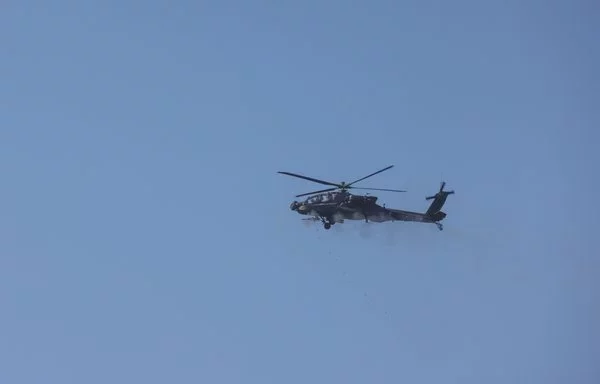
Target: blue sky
[[145, 235]]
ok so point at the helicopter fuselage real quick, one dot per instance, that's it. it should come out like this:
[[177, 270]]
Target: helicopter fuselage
[[335, 209]]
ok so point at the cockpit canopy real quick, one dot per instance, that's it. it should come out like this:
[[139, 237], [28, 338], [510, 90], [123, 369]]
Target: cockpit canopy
[[327, 197]]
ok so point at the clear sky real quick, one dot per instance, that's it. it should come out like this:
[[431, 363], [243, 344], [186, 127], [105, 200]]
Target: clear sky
[[145, 236]]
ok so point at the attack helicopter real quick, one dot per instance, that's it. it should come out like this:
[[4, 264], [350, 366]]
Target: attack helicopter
[[335, 204]]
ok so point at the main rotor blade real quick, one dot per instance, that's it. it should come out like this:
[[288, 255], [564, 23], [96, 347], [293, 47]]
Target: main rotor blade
[[372, 174], [321, 191], [381, 189], [310, 179]]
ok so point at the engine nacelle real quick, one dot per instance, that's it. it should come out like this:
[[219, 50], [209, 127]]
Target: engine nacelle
[[354, 199], [371, 199]]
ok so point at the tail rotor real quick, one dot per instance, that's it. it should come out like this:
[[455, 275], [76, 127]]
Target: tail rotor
[[440, 192]]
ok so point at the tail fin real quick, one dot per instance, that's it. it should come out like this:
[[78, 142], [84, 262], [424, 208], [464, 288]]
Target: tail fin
[[439, 199]]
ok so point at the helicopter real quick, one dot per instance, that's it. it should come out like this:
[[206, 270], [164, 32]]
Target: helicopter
[[335, 204]]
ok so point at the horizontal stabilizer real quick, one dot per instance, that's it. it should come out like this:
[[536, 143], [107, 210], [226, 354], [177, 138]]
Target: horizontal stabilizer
[[438, 216]]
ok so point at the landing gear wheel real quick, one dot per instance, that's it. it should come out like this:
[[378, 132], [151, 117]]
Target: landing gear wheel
[[440, 226], [327, 225]]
